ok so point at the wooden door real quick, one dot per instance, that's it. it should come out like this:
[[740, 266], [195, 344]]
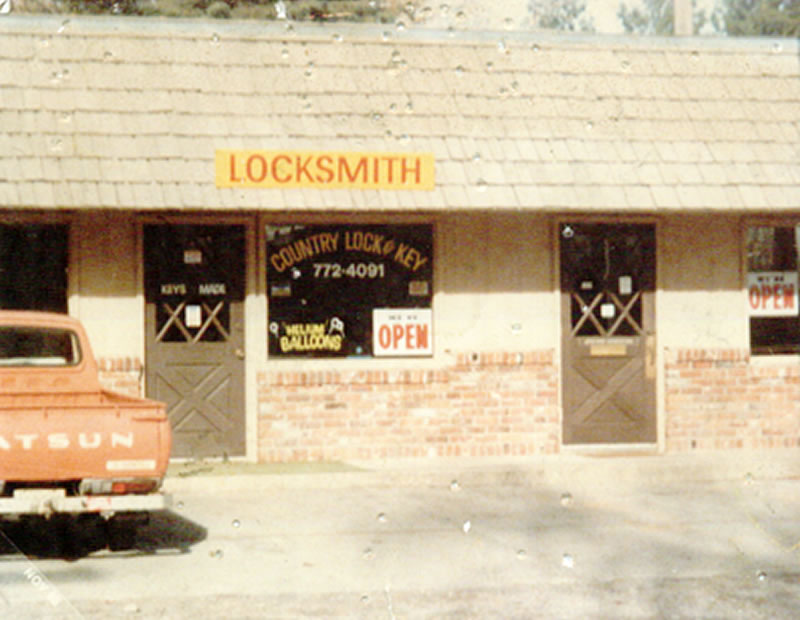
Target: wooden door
[[194, 287], [608, 337]]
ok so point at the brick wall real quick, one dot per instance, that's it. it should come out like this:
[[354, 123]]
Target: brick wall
[[720, 399], [122, 375], [499, 404], [483, 405]]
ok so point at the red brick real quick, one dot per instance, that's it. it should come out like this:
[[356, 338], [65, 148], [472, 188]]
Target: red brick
[[718, 399], [505, 400]]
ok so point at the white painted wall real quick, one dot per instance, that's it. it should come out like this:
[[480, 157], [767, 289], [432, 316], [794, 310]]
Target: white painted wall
[[497, 281], [701, 303], [105, 283], [495, 284]]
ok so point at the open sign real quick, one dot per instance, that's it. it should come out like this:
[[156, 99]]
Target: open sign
[[772, 293], [399, 332]]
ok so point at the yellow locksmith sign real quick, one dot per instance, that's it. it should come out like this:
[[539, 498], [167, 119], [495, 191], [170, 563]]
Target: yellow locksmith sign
[[324, 170]]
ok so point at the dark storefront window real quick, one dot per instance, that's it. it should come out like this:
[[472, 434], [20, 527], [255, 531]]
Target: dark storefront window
[[33, 267], [772, 289], [350, 290]]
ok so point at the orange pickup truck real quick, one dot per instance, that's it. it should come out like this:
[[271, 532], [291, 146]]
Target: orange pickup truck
[[67, 446]]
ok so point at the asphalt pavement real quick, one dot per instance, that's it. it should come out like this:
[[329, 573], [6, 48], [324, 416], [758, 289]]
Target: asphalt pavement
[[570, 536]]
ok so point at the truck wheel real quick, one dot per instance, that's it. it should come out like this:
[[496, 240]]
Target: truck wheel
[[40, 537], [80, 534], [122, 530], [89, 533]]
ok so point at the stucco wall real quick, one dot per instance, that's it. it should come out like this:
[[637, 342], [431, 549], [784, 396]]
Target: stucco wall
[[701, 302], [495, 283], [495, 279], [104, 284]]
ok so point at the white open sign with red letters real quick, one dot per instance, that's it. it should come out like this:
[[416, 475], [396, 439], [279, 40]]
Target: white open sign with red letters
[[402, 332], [772, 293]]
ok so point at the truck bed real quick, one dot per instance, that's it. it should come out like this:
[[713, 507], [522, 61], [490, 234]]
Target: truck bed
[[83, 435], [99, 398]]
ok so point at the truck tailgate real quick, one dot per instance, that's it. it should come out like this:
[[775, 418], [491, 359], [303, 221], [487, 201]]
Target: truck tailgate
[[53, 438]]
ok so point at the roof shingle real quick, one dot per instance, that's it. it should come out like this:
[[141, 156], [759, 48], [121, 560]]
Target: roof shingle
[[127, 113]]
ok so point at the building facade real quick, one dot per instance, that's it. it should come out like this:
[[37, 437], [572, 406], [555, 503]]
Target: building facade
[[333, 242]]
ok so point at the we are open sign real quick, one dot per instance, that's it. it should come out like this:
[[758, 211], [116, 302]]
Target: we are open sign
[[772, 293], [399, 332]]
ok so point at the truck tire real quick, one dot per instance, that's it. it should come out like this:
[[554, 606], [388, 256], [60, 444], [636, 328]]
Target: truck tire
[[122, 530], [84, 534]]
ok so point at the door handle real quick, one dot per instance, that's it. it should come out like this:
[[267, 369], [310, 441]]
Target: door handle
[[239, 353], [650, 356]]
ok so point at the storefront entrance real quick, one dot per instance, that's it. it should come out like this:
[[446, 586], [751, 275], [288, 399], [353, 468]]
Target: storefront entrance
[[608, 332], [194, 286]]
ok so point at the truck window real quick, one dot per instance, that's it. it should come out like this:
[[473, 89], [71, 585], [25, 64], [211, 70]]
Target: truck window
[[26, 346]]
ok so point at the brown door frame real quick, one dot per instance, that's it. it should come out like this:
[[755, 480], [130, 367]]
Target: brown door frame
[[255, 321], [555, 222]]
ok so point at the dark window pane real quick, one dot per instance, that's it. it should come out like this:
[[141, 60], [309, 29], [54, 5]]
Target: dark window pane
[[24, 346], [772, 290], [325, 281], [33, 267]]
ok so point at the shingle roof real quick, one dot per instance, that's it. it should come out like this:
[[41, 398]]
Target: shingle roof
[[128, 113]]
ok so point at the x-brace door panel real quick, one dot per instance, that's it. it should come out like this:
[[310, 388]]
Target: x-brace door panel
[[194, 284], [607, 292]]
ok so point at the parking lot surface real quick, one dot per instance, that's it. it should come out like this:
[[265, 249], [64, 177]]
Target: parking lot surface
[[707, 536]]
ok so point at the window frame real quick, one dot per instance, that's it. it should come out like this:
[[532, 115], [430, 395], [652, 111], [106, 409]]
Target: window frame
[[45, 361], [763, 355], [429, 244]]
